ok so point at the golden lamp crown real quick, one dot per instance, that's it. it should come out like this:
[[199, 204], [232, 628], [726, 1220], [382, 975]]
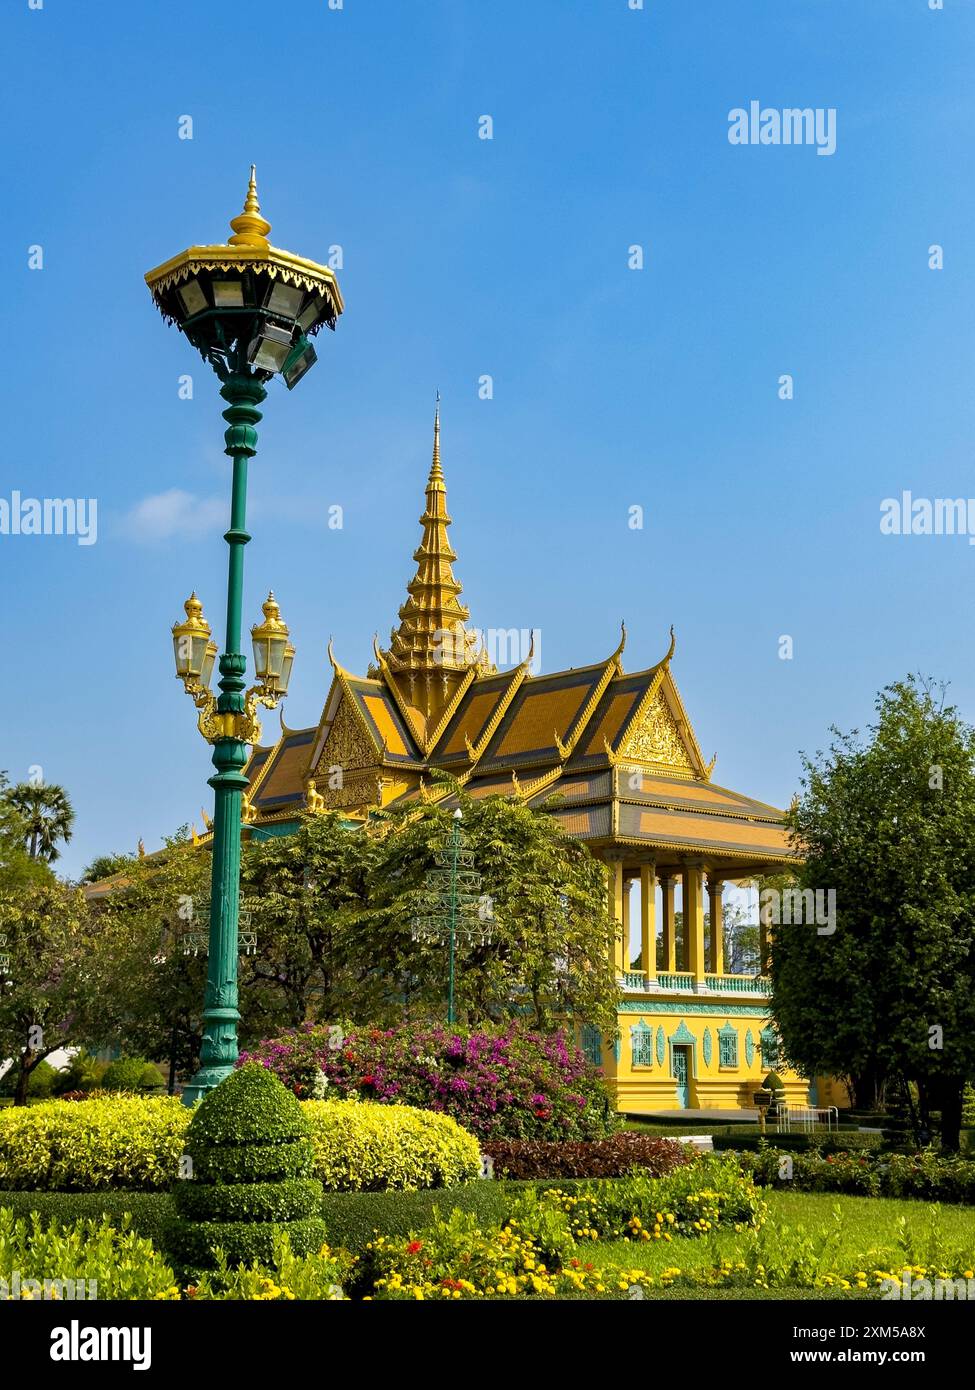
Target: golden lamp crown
[[195, 654], [245, 304]]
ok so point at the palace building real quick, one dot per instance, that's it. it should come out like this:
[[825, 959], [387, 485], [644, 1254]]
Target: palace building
[[619, 752]]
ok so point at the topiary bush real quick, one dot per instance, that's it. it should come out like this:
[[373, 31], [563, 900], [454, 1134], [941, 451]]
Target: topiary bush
[[252, 1158], [363, 1147], [93, 1145], [511, 1083]]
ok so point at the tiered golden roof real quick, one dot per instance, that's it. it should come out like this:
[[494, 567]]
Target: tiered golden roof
[[613, 754]]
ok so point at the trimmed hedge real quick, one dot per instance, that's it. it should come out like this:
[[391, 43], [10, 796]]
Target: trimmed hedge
[[361, 1146], [93, 1145], [923, 1177], [600, 1158], [351, 1218], [150, 1212], [750, 1142], [120, 1142]]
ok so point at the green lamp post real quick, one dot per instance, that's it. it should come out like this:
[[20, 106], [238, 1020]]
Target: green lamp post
[[250, 310], [454, 905]]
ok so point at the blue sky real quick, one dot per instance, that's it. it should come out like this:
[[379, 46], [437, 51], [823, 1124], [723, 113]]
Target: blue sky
[[462, 257]]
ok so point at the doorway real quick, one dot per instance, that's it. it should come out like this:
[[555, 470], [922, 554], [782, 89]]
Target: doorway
[[682, 1073]]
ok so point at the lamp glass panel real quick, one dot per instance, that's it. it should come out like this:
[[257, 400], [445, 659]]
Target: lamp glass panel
[[284, 300], [209, 657], [192, 297], [270, 357], [183, 653], [296, 368], [275, 655], [200, 644], [310, 312], [260, 657], [286, 665], [269, 350], [228, 294]]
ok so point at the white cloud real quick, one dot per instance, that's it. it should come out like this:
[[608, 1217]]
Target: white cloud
[[174, 515]]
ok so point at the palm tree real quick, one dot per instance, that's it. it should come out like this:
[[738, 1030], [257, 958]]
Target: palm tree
[[47, 815]]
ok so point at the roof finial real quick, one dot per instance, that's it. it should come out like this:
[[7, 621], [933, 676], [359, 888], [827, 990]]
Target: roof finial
[[436, 472], [250, 228]]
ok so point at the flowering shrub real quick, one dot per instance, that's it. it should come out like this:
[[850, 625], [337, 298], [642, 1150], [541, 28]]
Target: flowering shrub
[[92, 1145], [614, 1157], [691, 1201], [362, 1147], [455, 1259], [508, 1084]]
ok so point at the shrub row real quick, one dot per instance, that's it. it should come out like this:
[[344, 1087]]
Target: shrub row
[[926, 1177], [93, 1145], [598, 1158], [369, 1148], [135, 1143], [749, 1140]]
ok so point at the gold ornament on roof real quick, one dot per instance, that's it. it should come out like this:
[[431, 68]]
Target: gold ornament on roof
[[250, 228]]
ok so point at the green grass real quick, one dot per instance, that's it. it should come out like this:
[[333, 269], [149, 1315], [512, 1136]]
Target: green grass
[[867, 1223], [662, 1129]]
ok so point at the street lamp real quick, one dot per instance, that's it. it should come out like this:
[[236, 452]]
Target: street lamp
[[250, 310], [454, 905]]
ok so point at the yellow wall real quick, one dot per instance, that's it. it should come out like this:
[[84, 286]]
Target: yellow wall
[[641, 1088]]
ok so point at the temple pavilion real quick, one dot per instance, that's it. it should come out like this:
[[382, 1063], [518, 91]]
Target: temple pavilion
[[620, 752]]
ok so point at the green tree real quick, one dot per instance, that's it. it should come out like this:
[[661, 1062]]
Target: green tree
[[152, 984], [47, 816], [104, 866], [548, 957], [742, 954], [49, 974], [888, 825], [320, 948]]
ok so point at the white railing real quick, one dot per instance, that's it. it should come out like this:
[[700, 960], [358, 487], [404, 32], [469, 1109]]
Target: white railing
[[806, 1118], [683, 982]]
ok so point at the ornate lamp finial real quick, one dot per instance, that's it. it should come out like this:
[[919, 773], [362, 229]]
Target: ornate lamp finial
[[250, 228]]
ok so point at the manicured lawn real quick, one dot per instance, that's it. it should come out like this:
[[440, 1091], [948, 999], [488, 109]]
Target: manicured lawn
[[867, 1223], [665, 1131]]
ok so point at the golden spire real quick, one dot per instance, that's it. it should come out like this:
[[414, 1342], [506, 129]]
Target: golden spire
[[436, 472], [432, 647], [250, 228]]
